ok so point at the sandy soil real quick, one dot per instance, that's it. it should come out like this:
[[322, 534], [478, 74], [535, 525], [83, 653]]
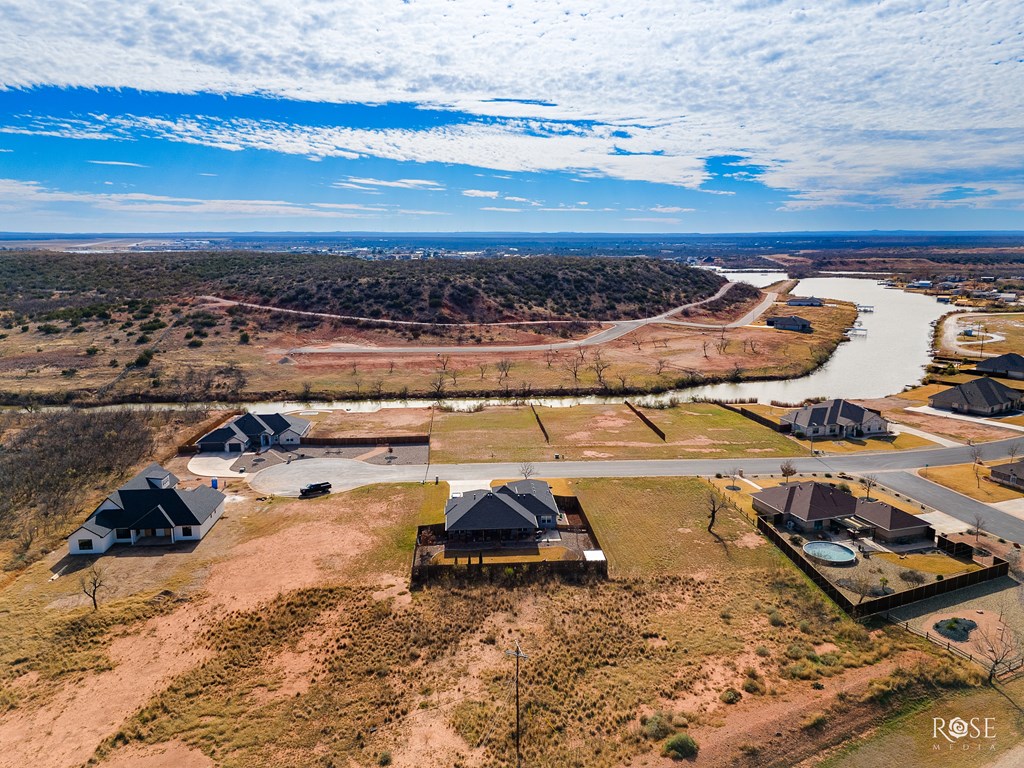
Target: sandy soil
[[893, 408], [173, 754]]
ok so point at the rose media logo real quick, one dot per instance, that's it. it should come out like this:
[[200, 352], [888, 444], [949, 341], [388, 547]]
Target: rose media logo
[[956, 733]]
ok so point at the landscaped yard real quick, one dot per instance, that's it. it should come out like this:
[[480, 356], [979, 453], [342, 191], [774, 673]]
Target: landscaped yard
[[962, 479]]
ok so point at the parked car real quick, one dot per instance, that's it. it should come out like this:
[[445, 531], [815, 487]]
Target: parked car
[[314, 489]]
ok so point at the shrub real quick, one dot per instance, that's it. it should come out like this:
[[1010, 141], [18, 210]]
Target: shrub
[[776, 620], [814, 722], [658, 726], [384, 759], [244, 338], [681, 746], [912, 577], [763, 651], [195, 343], [730, 696], [753, 685]]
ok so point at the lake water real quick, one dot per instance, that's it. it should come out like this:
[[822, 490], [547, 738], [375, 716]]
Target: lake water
[[892, 355]]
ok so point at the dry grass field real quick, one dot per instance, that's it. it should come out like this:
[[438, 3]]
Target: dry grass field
[[693, 430]]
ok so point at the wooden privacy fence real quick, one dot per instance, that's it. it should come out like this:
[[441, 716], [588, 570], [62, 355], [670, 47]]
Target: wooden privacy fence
[[371, 440], [998, 569], [747, 413], [643, 417]]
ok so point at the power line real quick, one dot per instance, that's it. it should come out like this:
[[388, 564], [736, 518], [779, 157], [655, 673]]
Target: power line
[[494, 719]]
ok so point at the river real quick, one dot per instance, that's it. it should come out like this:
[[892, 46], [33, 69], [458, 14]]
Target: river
[[891, 355]]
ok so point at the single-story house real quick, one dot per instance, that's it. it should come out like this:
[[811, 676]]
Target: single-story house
[[890, 524], [149, 509], [809, 507], [790, 323], [808, 301], [805, 507], [981, 397], [512, 511], [1011, 474], [835, 418], [255, 430], [1010, 366]]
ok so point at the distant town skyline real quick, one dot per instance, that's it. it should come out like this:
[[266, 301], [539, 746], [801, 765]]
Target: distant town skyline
[[539, 116]]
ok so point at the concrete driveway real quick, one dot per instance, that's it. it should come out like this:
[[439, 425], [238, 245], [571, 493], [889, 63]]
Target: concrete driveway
[[214, 465]]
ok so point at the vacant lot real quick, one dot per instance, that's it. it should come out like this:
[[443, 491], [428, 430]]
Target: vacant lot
[[692, 430], [389, 421]]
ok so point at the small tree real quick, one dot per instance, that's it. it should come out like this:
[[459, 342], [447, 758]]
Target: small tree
[[787, 469], [998, 646], [91, 583], [527, 470], [976, 463], [978, 520], [862, 585], [716, 502], [869, 481]]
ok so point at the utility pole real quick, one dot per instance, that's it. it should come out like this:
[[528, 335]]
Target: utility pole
[[518, 654]]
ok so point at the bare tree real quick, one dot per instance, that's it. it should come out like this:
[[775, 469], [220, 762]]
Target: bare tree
[[504, 366], [599, 366], [976, 464], [1013, 451], [623, 379], [453, 374], [443, 361], [483, 370], [998, 646], [307, 391], [527, 470], [860, 584], [391, 366], [550, 356], [753, 347], [437, 384], [378, 389], [978, 520], [659, 366], [581, 353], [715, 502], [91, 583], [706, 342], [573, 366], [788, 469], [869, 482]]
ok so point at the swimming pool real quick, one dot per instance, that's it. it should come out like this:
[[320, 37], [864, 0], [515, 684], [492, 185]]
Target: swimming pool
[[830, 553]]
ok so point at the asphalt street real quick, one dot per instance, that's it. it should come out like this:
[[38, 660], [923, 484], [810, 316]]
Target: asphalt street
[[890, 467]]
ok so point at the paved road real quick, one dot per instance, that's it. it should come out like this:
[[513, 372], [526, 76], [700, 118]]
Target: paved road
[[616, 329], [954, 504]]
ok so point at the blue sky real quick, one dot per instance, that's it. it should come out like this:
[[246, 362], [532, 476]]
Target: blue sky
[[692, 116]]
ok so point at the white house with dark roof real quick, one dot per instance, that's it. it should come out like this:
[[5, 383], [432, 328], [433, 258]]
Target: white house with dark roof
[[835, 418], [251, 431], [148, 509], [980, 397], [512, 511]]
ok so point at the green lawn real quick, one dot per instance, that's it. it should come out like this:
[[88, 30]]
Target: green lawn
[[658, 527]]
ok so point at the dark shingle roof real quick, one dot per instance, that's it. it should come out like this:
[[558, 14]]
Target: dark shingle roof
[[1013, 469], [886, 516], [979, 393], [841, 412], [143, 503], [249, 426], [1010, 362], [808, 501], [510, 506]]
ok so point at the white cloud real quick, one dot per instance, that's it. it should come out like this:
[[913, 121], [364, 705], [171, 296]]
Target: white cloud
[[117, 162], [207, 174], [480, 193], [427, 184], [514, 199], [670, 209], [833, 100], [6, 150], [500, 209]]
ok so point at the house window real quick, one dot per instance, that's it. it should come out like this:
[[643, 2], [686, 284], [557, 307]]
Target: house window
[[122, 533], [186, 530], [85, 545], [818, 525]]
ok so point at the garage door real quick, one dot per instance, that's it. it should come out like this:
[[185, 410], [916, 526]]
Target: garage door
[[234, 448]]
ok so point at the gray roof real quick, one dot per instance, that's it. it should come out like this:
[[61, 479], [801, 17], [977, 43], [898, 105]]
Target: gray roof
[[152, 500], [979, 393], [808, 501], [841, 412], [1012, 469], [249, 426], [790, 321], [886, 516], [512, 506], [1010, 362]]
